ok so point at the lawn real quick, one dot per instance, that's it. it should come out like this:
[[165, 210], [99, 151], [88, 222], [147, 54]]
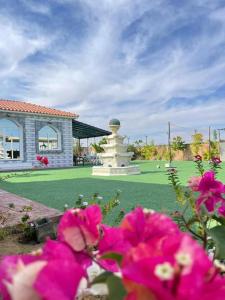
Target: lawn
[[55, 188]]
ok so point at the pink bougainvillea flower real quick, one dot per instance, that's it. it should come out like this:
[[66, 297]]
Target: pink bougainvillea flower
[[80, 228], [211, 191], [112, 241], [193, 183], [146, 226], [57, 250], [197, 158], [179, 270], [221, 210], [44, 160], [43, 276], [13, 276], [39, 158], [59, 279], [216, 160]]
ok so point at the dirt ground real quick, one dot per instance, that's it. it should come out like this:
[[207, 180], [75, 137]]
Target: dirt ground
[[10, 245]]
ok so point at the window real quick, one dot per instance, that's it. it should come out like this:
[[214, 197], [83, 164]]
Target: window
[[48, 139], [10, 140]]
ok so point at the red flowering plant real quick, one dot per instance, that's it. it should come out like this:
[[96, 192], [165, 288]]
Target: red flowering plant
[[146, 257], [43, 160], [203, 200]]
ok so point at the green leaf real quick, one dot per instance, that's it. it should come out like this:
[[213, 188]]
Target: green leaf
[[114, 284], [116, 288], [218, 235], [114, 256], [102, 278], [219, 219]]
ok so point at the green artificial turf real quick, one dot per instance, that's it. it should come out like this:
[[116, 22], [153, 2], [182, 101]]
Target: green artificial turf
[[55, 188]]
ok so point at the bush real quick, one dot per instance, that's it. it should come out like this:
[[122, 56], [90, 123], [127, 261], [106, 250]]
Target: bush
[[149, 152], [97, 146], [178, 144], [136, 150], [197, 141]]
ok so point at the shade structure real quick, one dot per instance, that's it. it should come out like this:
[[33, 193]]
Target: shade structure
[[85, 131]]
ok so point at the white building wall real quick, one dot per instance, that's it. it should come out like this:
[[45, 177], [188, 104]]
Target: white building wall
[[31, 124]]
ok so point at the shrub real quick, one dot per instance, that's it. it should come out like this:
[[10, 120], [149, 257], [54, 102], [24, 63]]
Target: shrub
[[178, 144], [149, 151], [197, 141], [97, 146]]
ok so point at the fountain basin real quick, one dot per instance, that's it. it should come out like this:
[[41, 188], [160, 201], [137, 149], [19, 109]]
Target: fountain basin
[[115, 171]]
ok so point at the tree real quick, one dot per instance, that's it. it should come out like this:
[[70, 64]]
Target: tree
[[149, 151], [97, 146], [178, 144], [197, 141]]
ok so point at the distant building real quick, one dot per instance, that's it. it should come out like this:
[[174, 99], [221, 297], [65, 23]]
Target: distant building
[[28, 130]]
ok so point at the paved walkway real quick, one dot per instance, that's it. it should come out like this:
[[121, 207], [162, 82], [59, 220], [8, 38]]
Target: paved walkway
[[12, 216]]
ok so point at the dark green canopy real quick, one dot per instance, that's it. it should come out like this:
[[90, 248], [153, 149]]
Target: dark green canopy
[[85, 131]]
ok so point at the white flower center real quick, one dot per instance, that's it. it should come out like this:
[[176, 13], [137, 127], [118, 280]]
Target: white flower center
[[219, 265], [164, 271], [148, 211], [183, 259]]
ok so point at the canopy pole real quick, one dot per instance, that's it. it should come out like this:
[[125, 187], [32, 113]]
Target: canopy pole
[[87, 147], [79, 147]]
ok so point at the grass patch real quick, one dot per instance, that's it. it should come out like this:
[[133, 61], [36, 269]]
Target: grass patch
[[54, 188]]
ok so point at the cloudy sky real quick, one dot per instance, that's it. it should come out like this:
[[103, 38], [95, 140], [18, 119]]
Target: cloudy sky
[[145, 62]]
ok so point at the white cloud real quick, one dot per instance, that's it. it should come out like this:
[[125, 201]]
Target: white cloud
[[131, 53]]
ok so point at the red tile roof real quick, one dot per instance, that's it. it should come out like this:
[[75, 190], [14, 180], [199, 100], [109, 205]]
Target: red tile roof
[[19, 106]]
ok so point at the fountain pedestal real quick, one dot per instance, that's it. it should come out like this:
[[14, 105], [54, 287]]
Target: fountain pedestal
[[116, 159]]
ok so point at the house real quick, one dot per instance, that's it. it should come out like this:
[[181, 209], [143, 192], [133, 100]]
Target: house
[[28, 130]]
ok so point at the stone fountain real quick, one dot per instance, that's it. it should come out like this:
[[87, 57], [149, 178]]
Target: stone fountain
[[115, 159]]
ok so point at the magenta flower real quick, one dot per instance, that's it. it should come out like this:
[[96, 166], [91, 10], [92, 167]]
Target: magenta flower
[[80, 228], [216, 160], [39, 158], [221, 210], [197, 158], [193, 183], [44, 275], [44, 160], [112, 241], [178, 270], [140, 226], [211, 191]]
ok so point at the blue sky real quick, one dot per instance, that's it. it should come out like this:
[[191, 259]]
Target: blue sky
[[144, 62]]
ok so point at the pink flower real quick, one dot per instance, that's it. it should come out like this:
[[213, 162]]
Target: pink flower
[[197, 158], [221, 210], [211, 191], [177, 270], [193, 183], [140, 226], [80, 228], [112, 241], [216, 160], [43, 276], [44, 160], [39, 158]]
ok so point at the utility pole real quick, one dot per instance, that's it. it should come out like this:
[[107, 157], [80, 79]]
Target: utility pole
[[209, 142], [219, 149], [146, 140], [169, 146], [87, 146]]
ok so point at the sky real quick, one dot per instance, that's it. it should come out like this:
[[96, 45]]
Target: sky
[[145, 62]]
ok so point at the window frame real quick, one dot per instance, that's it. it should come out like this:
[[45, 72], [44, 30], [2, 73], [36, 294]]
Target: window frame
[[21, 139], [59, 140]]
